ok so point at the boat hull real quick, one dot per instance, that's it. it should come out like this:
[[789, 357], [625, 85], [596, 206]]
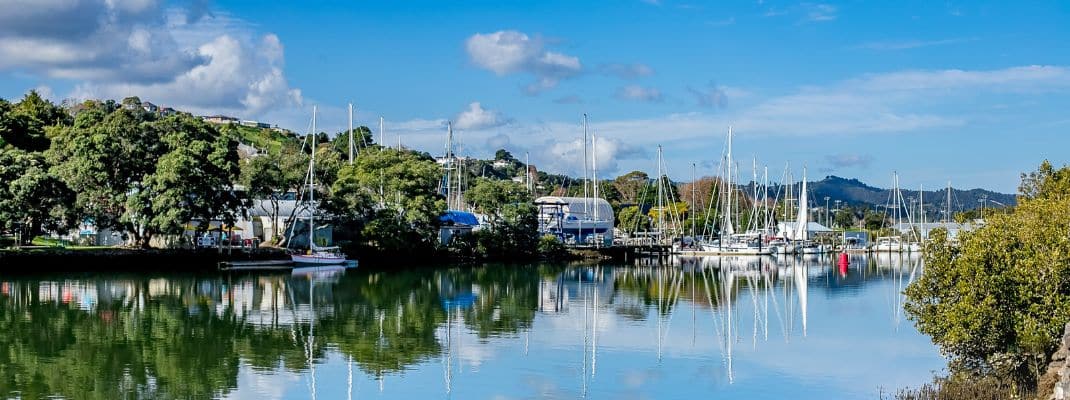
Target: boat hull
[[317, 260]]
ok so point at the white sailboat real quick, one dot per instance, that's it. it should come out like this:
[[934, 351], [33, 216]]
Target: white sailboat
[[802, 223], [316, 255], [730, 242], [897, 244]]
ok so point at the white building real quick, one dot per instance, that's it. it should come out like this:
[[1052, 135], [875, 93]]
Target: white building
[[787, 230], [577, 220]]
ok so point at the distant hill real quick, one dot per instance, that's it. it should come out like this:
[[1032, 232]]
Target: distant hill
[[855, 192]]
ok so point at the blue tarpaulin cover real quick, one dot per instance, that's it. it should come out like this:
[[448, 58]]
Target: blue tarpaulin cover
[[459, 218]]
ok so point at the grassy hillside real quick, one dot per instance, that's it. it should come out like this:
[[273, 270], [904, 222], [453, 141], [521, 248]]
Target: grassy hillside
[[261, 138]]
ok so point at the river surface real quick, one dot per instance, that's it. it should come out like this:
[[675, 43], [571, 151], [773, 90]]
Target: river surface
[[801, 328]]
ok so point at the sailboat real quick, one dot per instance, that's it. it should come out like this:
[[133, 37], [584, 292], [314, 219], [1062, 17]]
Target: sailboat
[[802, 225], [731, 243], [316, 255], [897, 244]]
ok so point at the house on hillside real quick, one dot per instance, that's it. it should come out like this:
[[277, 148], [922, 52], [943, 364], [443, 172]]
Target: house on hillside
[[219, 119], [167, 111], [149, 107]]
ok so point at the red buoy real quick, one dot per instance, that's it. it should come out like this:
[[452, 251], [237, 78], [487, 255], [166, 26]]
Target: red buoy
[[844, 262]]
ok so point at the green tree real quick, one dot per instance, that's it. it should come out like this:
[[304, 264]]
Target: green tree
[[631, 186], [23, 124], [632, 220], [143, 176], [503, 155], [32, 199], [390, 198], [104, 163], [997, 302], [269, 178], [513, 230], [192, 180]]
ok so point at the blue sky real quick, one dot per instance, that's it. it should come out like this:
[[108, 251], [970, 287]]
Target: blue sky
[[972, 92]]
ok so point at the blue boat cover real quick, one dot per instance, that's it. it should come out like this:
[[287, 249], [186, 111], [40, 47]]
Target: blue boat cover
[[454, 217]]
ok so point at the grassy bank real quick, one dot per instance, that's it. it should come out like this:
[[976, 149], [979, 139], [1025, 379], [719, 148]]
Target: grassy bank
[[960, 388]]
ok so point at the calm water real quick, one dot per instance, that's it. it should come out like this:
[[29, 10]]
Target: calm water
[[715, 327]]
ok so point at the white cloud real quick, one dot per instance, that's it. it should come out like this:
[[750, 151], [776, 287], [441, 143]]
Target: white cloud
[[476, 117], [241, 76], [508, 52], [639, 93], [711, 96], [626, 71], [185, 58], [92, 39], [877, 104]]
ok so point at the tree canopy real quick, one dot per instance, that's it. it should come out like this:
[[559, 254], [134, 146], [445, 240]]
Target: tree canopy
[[997, 301]]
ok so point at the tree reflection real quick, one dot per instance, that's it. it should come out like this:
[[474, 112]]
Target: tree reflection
[[112, 337]]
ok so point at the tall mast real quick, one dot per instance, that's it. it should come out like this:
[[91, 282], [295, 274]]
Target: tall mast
[[727, 226], [449, 165], [585, 194], [661, 208], [766, 217], [350, 133], [947, 218], [694, 183], [594, 174], [381, 143], [921, 209], [312, 185]]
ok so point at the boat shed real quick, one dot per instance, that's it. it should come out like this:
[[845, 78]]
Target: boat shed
[[576, 220], [456, 223]]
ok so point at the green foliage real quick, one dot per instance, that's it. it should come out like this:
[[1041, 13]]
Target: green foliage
[[552, 248], [390, 199], [503, 155], [631, 219], [32, 199], [513, 230], [133, 173], [362, 139], [631, 186], [271, 176], [960, 387], [193, 178], [23, 124], [265, 139], [874, 220], [997, 302]]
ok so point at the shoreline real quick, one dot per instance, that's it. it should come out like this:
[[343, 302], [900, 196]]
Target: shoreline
[[52, 259]]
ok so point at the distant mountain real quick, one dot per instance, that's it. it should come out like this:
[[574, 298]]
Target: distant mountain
[[853, 191]]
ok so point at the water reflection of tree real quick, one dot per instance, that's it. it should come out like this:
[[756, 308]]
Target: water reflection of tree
[[188, 339], [116, 351], [188, 336]]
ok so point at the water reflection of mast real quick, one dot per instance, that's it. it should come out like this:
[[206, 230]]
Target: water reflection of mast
[[801, 286], [583, 292], [311, 338], [448, 375]]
